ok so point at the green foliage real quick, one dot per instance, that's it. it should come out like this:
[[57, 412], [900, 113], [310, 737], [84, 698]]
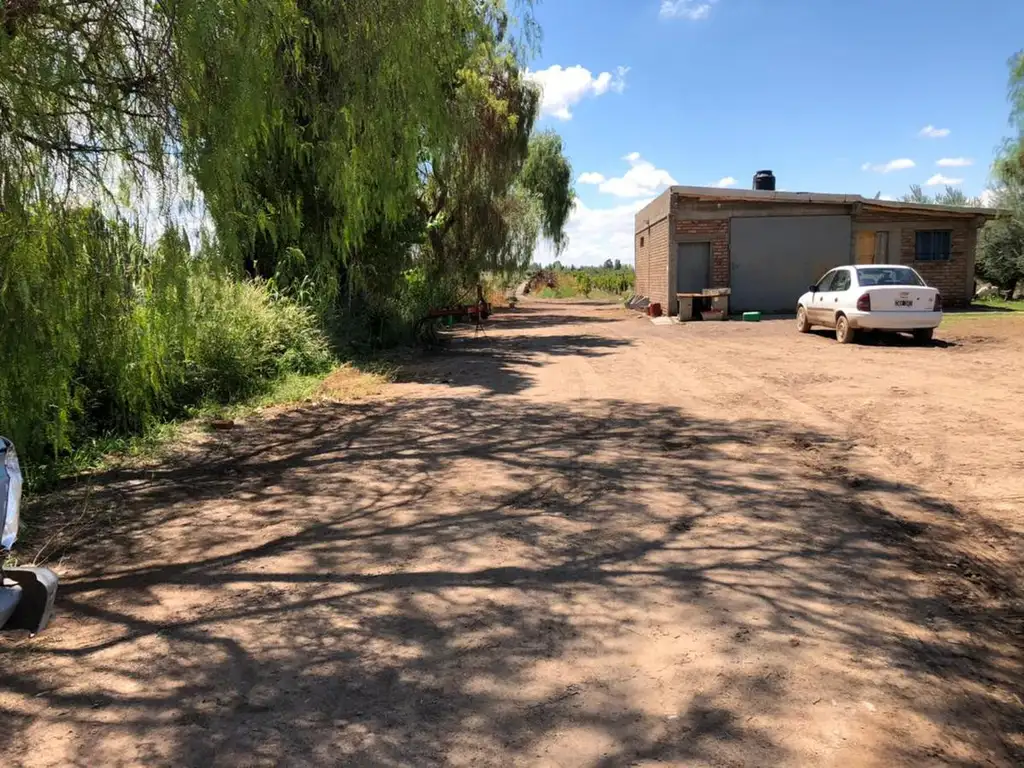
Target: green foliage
[[478, 217], [353, 116], [1009, 166], [566, 290], [583, 281], [1003, 305], [497, 188], [1000, 258], [1001, 243], [306, 126], [584, 284], [617, 281], [361, 162], [547, 174], [950, 196], [243, 337], [82, 84], [105, 335]]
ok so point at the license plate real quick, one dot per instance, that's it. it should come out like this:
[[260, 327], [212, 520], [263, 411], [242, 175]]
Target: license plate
[[904, 303]]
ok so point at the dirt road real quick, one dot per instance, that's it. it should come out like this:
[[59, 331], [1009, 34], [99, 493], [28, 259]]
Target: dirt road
[[581, 540]]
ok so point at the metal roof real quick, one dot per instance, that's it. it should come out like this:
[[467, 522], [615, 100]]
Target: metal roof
[[824, 198]]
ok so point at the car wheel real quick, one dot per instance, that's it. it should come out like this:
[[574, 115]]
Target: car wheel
[[924, 335], [844, 333], [802, 326]]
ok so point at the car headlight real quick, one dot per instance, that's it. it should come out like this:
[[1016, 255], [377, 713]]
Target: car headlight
[[10, 493]]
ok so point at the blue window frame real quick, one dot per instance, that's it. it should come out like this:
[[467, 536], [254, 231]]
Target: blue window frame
[[934, 245]]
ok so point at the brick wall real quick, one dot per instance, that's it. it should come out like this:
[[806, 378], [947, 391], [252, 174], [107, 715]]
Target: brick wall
[[950, 277], [657, 264], [641, 254], [717, 232], [887, 218]]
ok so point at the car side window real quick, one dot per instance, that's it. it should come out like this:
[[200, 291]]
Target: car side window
[[841, 282], [826, 282]]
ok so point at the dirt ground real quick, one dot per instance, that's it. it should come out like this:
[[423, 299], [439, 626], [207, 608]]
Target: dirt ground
[[578, 540]]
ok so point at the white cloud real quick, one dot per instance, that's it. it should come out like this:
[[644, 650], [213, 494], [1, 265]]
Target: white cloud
[[564, 87], [900, 164], [931, 132], [989, 198], [596, 234], [619, 81], [938, 180], [693, 10], [641, 180], [954, 162], [591, 178], [728, 181]]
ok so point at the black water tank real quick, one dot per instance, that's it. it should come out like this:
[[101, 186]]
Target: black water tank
[[764, 180]]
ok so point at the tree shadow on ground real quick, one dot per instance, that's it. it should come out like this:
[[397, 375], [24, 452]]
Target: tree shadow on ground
[[501, 363], [530, 317], [453, 581]]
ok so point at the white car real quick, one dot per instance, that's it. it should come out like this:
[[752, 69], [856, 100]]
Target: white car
[[876, 297]]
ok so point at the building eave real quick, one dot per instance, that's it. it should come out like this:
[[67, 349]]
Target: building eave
[[719, 195]]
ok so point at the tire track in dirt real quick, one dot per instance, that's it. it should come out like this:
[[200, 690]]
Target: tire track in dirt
[[578, 540], [744, 384]]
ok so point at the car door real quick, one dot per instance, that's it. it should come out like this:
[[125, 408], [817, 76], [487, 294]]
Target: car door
[[816, 312], [834, 298]]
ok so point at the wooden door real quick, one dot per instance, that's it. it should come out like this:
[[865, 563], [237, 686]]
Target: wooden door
[[881, 247], [865, 247]]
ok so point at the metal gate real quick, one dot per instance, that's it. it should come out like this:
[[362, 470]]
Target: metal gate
[[693, 267], [774, 258]]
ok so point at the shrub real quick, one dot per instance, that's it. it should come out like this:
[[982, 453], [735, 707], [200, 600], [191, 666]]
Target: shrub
[[105, 335], [1001, 249], [244, 337]]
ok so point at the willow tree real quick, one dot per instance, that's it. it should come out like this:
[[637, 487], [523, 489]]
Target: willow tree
[[950, 196], [96, 98], [84, 94], [547, 174], [1010, 164], [303, 122], [1001, 244], [353, 103], [490, 195]]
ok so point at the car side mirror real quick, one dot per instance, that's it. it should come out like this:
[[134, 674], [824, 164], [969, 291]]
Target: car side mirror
[[813, 289]]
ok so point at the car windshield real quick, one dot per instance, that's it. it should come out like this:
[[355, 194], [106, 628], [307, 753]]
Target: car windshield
[[888, 276]]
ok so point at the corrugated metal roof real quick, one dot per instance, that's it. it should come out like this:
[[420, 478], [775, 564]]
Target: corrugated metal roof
[[824, 198]]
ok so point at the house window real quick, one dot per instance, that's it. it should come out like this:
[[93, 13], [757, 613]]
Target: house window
[[934, 245], [641, 241]]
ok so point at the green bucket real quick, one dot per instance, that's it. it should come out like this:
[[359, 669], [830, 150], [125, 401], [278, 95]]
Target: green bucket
[[752, 317]]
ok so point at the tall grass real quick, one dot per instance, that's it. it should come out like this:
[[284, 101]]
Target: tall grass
[[105, 335]]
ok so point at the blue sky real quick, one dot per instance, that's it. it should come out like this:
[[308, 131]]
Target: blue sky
[[859, 97]]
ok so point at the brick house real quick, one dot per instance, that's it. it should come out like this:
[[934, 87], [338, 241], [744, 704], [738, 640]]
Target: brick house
[[769, 246]]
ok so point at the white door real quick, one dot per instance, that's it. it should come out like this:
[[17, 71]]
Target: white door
[[832, 299], [816, 312]]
